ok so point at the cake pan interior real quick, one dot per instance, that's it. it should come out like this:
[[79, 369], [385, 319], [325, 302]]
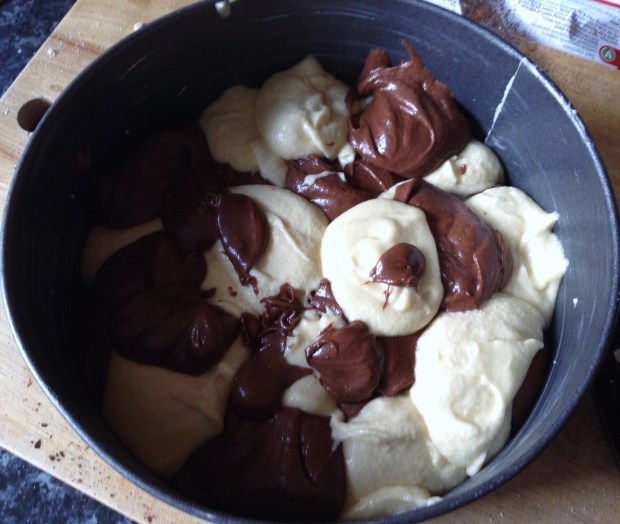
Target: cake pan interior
[[171, 69]]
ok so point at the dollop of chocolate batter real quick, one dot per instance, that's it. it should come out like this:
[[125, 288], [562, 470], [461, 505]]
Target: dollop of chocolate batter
[[412, 124], [261, 380], [173, 327], [189, 213], [348, 361], [150, 169], [284, 468], [393, 358], [372, 179], [397, 370], [198, 214], [282, 311], [333, 194], [153, 261], [323, 298], [398, 363], [473, 258], [244, 232], [157, 314], [401, 265]]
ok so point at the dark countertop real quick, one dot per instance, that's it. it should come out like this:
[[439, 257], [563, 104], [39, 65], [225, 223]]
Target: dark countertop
[[28, 495]]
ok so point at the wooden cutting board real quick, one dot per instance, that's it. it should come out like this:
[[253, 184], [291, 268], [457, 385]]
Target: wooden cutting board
[[574, 480]]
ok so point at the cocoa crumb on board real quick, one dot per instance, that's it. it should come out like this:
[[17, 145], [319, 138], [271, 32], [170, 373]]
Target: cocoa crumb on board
[[37, 444], [57, 457]]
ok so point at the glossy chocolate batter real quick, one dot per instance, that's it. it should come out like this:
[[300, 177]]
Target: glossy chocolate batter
[[412, 124], [150, 169], [323, 299], [260, 381], [333, 194], [348, 361], [473, 258], [284, 468], [401, 265]]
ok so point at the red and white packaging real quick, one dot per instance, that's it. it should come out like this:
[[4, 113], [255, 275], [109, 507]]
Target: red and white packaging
[[586, 28]]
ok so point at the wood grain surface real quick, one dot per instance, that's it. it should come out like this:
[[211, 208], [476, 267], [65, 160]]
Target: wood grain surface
[[575, 478]]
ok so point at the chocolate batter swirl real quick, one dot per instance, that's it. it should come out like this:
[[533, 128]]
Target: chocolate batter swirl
[[244, 232], [412, 124], [348, 361], [473, 258], [331, 193]]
